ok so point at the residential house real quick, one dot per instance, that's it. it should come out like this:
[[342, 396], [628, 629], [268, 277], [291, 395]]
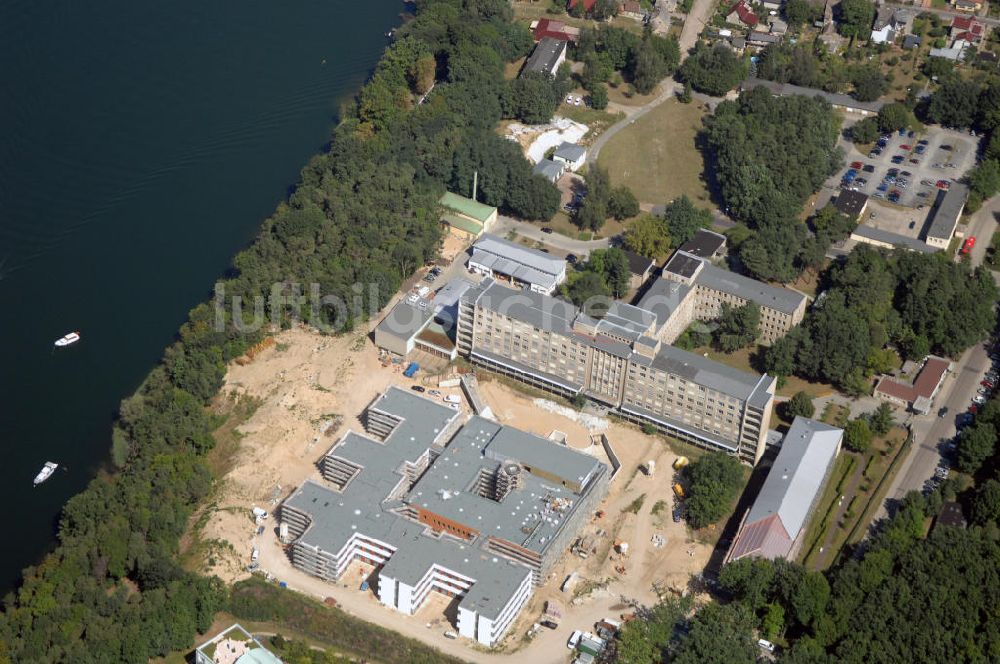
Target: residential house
[[778, 27], [771, 5], [549, 169], [968, 6], [741, 14], [572, 155], [631, 9], [912, 41], [588, 5], [758, 38], [556, 29], [548, 55], [234, 645], [889, 24], [967, 28]]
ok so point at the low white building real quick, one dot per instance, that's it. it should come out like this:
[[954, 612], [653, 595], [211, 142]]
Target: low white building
[[572, 155]]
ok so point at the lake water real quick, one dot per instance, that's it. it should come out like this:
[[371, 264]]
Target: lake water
[[142, 146]]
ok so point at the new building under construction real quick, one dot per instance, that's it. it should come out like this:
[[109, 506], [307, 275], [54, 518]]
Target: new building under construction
[[479, 512]]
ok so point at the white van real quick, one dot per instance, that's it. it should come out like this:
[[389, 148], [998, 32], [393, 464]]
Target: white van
[[451, 398], [254, 556], [574, 639], [766, 645]]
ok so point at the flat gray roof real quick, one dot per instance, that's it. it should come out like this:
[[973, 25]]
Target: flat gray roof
[[549, 313], [781, 299], [405, 320], [796, 477], [663, 297], [947, 210], [895, 239], [787, 89], [526, 516], [851, 203], [683, 264], [515, 260], [704, 244], [530, 516]]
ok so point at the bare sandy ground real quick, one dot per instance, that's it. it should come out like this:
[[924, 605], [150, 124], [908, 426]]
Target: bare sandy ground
[[313, 388]]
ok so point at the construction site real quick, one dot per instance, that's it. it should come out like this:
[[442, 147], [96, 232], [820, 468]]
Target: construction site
[[309, 390]]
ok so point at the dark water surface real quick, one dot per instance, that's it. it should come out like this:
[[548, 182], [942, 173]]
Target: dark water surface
[[142, 144]]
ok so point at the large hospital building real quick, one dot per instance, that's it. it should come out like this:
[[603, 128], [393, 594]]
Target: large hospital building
[[477, 511], [619, 360]]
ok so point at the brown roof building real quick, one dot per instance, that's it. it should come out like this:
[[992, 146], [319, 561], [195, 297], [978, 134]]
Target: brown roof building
[[918, 395]]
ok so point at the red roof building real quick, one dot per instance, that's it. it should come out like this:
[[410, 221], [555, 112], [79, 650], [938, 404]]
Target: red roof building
[[555, 29], [587, 4], [919, 394], [741, 13], [967, 28]]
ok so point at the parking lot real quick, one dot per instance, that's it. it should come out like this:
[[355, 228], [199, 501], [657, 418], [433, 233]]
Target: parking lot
[[906, 169]]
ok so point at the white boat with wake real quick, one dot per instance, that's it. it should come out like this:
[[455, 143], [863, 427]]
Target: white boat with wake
[[46, 472], [68, 339]]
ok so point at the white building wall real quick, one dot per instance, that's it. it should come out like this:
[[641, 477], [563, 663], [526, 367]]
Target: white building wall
[[466, 623], [387, 590], [405, 598]]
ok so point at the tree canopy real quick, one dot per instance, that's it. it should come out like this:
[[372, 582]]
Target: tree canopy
[[714, 482]]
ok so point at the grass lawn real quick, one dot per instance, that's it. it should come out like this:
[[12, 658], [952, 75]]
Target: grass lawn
[[657, 157], [818, 525], [808, 281], [626, 95], [879, 467]]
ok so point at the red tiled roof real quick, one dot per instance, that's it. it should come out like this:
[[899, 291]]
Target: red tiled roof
[[554, 29], [962, 22], [587, 4], [745, 13], [766, 538], [924, 385]]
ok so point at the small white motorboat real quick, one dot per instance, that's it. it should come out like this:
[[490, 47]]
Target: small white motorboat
[[46, 472], [68, 340]]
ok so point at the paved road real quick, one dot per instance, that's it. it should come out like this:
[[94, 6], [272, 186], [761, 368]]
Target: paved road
[[930, 431], [947, 13], [579, 247]]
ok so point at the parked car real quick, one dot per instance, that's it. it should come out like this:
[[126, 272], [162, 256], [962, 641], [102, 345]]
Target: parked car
[[946, 148], [915, 161], [911, 134], [969, 243], [868, 168], [905, 147], [892, 171], [856, 164], [546, 229], [418, 388], [874, 153], [923, 142], [898, 159], [979, 400], [906, 174], [942, 184]]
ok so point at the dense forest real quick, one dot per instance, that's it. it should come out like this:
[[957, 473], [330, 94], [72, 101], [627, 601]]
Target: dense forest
[[364, 212], [765, 175], [873, 300]]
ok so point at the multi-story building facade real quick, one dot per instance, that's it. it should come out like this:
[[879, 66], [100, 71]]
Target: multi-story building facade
[[617, 361], [478, 511], [711, 287]]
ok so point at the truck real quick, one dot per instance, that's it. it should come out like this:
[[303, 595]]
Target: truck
[[649, 467], [259, 514], [680, 462], [411, 370], [450, 382], [254, 555], [679, 490], [451, 398], [283, 533]]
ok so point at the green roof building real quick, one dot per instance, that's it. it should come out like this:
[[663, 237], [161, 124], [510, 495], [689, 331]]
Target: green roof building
[[466, 217]]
